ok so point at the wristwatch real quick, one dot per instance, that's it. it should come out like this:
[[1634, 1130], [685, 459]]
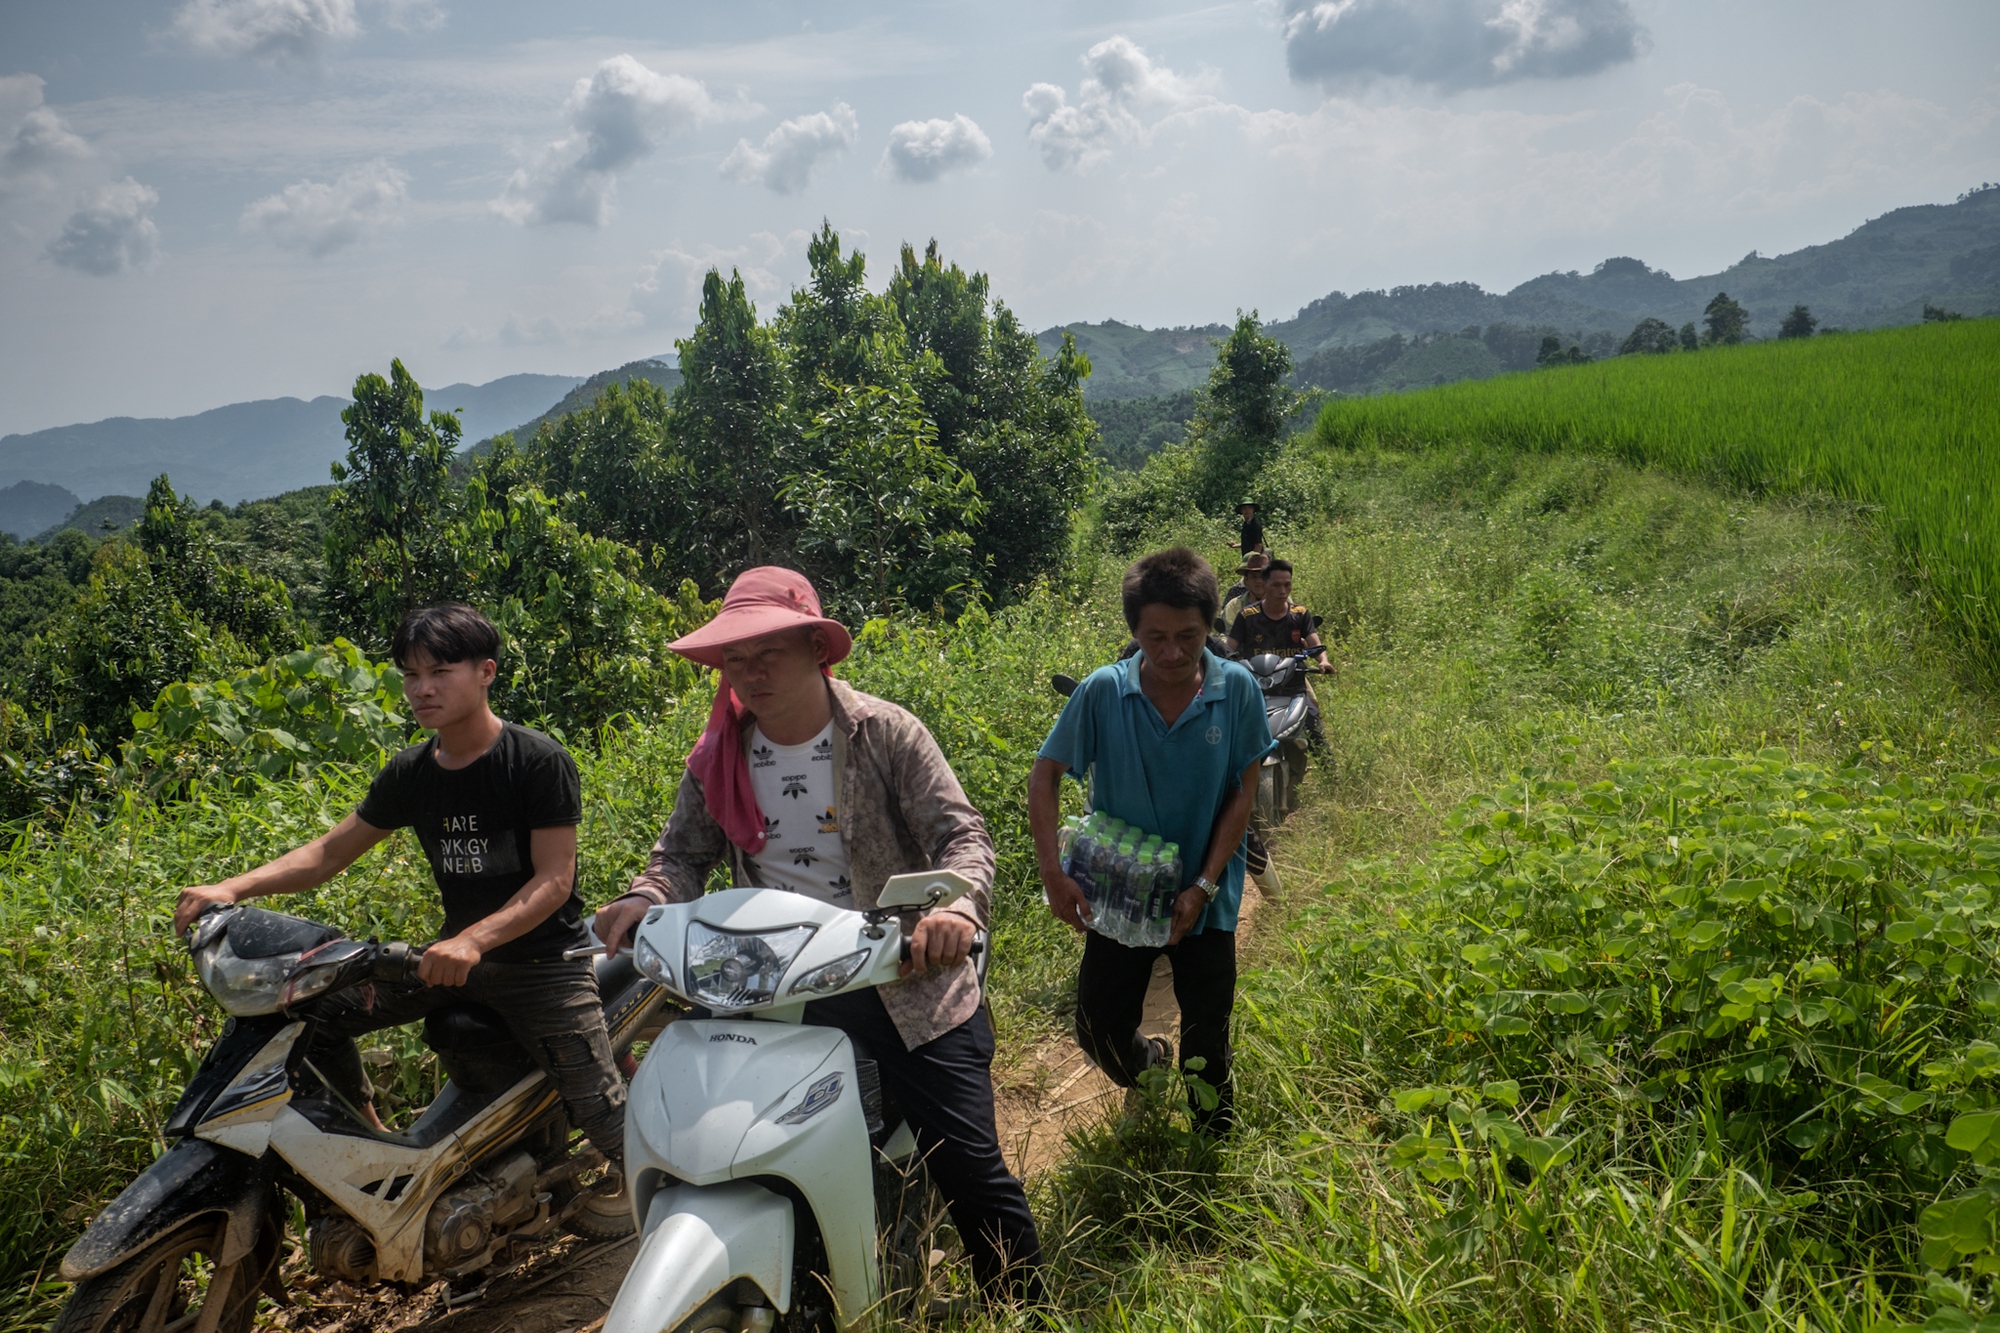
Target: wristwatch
[[1209, 888]]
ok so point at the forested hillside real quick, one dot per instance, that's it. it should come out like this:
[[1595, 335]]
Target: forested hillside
[[1884, 272]]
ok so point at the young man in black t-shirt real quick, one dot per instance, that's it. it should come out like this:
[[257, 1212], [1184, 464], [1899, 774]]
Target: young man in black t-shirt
[[495, 807], [1274, 625]]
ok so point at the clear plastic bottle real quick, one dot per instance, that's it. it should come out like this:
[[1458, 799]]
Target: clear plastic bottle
[[1138, 907], [1124, 883], [1077, 863], [1166, 892], [1103, 873]]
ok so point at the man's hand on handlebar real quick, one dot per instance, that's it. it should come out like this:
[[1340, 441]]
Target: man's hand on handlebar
[[942, 939], [448, 962], [196, 899], [616, 922]]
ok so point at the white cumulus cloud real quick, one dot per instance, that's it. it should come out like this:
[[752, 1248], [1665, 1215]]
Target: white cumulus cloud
[[322, 217], [616, 117], [39, 143], [786, 158], [112, 233], [1120, 82], [1457, 44], [923, 150], [270, 30]]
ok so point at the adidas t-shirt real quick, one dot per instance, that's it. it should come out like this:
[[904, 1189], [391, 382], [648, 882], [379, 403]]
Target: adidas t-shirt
[[796, 788]]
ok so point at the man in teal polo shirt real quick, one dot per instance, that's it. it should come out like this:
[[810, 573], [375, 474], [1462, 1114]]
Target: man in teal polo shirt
[[1175, 735]]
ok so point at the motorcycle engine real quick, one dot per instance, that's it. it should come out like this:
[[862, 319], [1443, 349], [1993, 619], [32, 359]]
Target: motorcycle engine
[[469, 1220], [340, 1248]]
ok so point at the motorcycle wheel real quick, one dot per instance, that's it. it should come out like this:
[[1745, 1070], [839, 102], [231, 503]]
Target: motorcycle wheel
[[603, 1216], [158, 1289], [719, 1314]]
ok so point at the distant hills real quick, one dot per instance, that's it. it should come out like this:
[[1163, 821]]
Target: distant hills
[[29, 507], [656, 369], [243, 451], [1883, 272]]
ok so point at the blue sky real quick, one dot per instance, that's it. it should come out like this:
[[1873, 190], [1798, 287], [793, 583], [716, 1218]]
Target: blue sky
[[204, 201]]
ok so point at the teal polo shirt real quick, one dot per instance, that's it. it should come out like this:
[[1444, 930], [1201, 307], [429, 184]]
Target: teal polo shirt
[[1174, 780]]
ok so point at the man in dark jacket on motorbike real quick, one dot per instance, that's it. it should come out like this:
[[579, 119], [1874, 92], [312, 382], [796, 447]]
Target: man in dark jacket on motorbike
[[803, 783], [495, 807]]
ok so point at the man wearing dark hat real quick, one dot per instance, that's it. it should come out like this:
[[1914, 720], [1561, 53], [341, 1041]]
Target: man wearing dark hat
[[1251, 536], [801, 782]]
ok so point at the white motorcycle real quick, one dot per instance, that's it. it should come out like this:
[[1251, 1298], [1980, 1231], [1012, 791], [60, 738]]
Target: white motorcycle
[[488, 1169], [760, 1160]]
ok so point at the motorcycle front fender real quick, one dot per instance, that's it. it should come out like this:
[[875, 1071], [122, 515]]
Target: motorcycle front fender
[[190, 1179], [698, 1239]]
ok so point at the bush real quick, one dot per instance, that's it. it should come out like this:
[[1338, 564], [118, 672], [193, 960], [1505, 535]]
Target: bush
[[1794, 962], [319, 705]]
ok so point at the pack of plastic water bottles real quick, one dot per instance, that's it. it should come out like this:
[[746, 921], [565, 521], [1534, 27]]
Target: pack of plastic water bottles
[[1130, 877]]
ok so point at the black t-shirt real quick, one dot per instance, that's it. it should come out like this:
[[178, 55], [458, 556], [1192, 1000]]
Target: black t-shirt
[[476, 825], [1255, 632], [1252, 536]]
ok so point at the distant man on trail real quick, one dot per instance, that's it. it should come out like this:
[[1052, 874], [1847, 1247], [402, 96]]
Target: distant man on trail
[[802, 782], [495, 807], [1175, 735], [1250, 537]]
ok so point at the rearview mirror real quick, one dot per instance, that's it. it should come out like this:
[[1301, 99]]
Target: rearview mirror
[[923, 889]]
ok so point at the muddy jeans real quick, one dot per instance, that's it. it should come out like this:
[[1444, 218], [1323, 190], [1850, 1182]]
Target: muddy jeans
[[552, 1009]]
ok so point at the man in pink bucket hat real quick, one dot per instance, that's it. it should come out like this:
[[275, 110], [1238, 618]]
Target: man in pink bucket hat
[[802, 782]]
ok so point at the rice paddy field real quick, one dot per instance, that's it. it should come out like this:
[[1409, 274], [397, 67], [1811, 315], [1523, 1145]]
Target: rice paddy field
[[1904, 420]]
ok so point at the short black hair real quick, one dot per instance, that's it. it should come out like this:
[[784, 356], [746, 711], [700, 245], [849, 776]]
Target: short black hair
[[1277, 567], [445, 632], [1177, 577]]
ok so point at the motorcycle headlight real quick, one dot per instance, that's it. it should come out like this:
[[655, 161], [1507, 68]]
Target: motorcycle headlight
[[647, 959], [738, 971], [831, 977], [244, 986], [318, 969]]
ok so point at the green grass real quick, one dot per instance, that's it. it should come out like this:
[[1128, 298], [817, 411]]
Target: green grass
[[1906, 420], [1496, 611]]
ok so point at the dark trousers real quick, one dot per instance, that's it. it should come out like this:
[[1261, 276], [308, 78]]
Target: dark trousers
[[1111, 999], [945, 1090], [551, 1008]]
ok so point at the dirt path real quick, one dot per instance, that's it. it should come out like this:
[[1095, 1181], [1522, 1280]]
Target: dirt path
[[568, 1287]]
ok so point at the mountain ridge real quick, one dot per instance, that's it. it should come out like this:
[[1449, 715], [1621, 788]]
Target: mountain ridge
[[1881, 273], [241, 451]]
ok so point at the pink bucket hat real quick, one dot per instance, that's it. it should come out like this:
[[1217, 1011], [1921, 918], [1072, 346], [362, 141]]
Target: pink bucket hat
[[763, 601]]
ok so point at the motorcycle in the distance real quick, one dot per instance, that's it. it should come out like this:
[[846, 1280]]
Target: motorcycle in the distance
[[488, 1168], [770, 1176]]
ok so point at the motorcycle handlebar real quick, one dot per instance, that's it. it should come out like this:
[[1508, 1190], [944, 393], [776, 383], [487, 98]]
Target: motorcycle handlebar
[[397, 962], [978, 947]]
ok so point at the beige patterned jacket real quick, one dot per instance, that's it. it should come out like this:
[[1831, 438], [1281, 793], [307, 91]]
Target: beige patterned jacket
[[901, 809]]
